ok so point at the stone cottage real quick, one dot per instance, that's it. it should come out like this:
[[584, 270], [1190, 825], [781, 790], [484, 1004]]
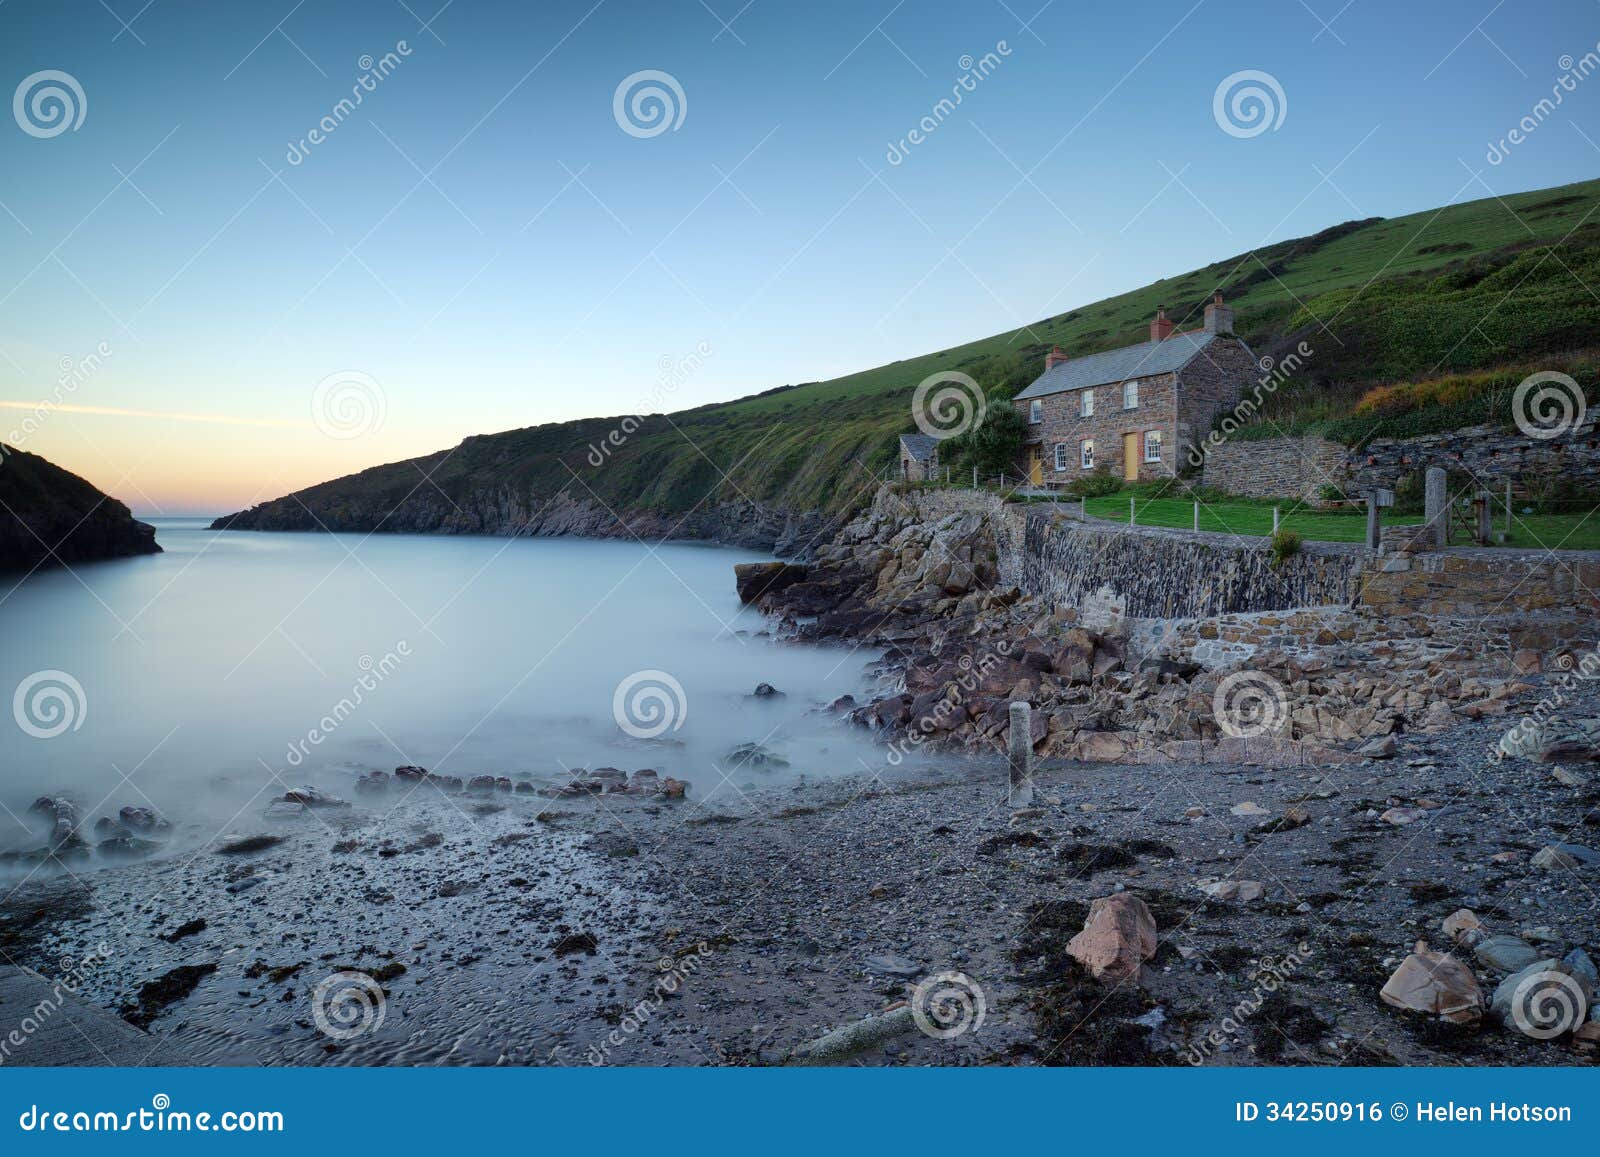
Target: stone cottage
[[919, 457], [1132, 411]]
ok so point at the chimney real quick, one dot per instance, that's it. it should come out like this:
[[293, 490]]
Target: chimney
[[1219, 318], [1055, 357], [1161, 327]]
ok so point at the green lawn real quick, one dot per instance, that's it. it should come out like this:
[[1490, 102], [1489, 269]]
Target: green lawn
[[1242, 516], [1238, 516]]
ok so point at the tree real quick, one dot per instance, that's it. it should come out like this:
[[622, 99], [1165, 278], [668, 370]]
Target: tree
[[993, 446]]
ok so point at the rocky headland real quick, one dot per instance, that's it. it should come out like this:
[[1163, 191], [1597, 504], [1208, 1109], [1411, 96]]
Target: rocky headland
[[50, 516]]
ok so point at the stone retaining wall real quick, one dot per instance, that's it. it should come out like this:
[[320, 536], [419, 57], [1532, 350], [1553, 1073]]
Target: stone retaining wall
[[1107, 571], [1486, 583]]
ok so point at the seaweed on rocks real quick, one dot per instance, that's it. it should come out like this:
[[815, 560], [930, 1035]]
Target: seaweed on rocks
[[155, 995]]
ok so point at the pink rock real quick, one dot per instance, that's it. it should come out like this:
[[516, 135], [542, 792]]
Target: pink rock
[[1435, 982], [1118, 936]]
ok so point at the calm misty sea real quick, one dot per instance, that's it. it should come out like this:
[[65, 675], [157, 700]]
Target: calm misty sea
[[206, 670]]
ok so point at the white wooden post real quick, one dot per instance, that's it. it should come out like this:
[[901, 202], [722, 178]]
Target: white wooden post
[[1508, 508], [1274, 520], [1083, 509], [974, 477], [1133, 518], [1197, 516], [1020, 755]]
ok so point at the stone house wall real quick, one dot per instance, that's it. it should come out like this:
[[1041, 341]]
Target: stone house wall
[[1211, 384], [1063, 424]]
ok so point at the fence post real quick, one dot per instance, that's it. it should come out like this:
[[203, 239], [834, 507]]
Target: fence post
[[1133, 517], [1197, 516], [1435, 510], [1020, 752], [974, 477], [1083, 508], [1374, 530], [1508, 508], [1274, 520]]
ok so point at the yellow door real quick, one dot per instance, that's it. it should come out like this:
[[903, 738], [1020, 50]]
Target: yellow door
[[1130, 457], [1036, 466]]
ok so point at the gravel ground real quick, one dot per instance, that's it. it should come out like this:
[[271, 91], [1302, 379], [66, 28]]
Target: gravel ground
[[620, 930]]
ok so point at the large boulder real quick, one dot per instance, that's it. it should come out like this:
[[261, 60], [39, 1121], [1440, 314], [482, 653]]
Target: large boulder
[[754, 579], [1117, 938], [1437, 983]]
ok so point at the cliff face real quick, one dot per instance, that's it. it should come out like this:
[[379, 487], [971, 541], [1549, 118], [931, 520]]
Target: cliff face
[[50, 515], [507, 512]]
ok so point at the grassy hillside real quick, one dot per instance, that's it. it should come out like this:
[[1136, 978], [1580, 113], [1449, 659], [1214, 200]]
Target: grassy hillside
[[1467, 288]]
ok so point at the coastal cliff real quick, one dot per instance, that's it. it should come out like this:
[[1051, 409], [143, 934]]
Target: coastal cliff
[[504, 511], [49, 515]]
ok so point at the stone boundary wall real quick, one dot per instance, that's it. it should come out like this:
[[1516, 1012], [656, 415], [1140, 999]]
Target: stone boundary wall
[[1277, 467], [1491, 453], [1298, 467]]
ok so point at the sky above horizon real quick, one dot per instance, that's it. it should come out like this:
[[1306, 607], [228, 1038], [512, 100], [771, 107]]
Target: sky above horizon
[[203, 307]]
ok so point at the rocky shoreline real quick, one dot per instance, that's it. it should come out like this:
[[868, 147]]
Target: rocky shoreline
[[1391, 874]]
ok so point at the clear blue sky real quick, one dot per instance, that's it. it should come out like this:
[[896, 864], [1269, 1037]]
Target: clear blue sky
[[550, 261]]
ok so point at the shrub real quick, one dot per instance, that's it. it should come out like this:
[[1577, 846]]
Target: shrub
[[1285, 545], [1097, 485]]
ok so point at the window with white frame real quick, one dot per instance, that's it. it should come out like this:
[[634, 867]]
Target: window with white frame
[[1086, 403], [1086, 454], [1130, 395], [1061, 456], [1152, 445], [1035, 412]]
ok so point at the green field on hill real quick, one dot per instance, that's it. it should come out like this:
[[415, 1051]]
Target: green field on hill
[[1481, 286]]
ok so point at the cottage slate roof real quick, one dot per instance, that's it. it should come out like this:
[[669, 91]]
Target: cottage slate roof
[[921, 446], [1134, 361]]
